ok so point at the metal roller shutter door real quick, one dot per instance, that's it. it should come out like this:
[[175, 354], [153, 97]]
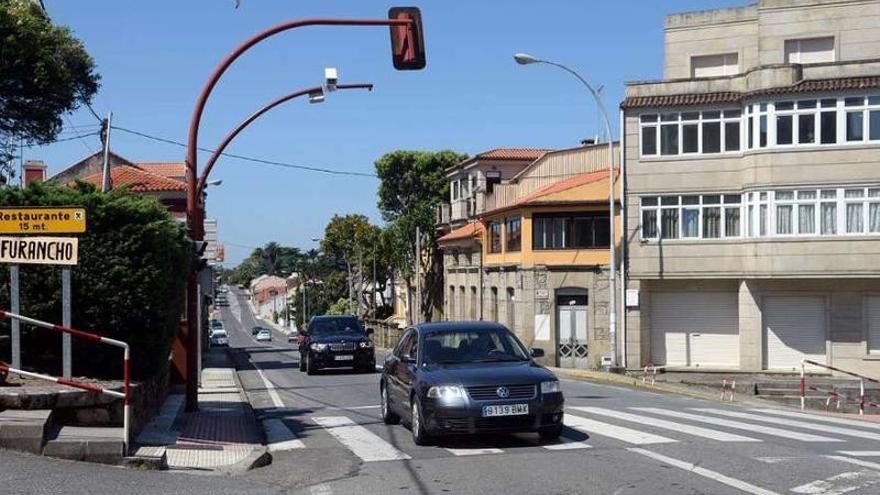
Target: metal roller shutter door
[[696, 329], [873, 303], [794, 329]]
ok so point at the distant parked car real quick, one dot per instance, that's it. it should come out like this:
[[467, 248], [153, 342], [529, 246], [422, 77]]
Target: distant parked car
[[258, 329], [219, 338], [264, 336]]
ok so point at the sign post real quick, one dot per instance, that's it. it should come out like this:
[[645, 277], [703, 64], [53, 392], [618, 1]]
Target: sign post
[[44, 251], [16, 325]]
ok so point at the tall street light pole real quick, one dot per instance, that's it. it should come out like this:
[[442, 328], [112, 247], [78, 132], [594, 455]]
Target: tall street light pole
[[407, 45], [526, 59]]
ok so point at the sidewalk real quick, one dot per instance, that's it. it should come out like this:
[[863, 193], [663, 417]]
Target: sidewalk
[[221, 438]]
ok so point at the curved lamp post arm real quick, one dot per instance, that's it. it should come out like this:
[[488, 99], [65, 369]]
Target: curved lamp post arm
[[192, 142], [599, 103], [254, 116]]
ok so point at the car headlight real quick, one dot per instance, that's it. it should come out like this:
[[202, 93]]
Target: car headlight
[[365, 344], [550, 387], [318, 347], [446, 392]]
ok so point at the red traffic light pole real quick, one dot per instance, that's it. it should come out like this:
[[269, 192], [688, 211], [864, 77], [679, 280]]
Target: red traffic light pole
[[408, 53]]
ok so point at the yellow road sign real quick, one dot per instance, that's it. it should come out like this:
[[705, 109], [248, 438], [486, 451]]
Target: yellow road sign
[[42, 220]]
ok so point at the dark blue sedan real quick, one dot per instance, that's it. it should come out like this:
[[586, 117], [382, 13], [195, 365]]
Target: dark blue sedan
[[466, 378]]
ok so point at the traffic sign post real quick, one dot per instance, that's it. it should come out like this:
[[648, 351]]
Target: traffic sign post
[[16, 250]]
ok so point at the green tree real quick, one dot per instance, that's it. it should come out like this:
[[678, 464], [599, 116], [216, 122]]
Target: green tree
[[412, 184], [128, 284], [45, 72], [343, 306]]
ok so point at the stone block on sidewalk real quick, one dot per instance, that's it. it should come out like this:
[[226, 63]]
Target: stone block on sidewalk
[[24, 429]]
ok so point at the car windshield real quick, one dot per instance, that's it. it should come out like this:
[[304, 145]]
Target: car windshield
[[220, 333], [472, 346], [335, 325]]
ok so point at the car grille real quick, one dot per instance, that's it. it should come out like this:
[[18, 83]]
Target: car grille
[[517, 392], [342, 346]]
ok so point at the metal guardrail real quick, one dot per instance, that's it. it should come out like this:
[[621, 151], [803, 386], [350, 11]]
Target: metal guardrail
[[837, 396], [125, 395]]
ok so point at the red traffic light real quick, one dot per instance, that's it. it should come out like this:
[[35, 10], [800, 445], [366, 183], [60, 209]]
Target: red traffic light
[[407, 42]]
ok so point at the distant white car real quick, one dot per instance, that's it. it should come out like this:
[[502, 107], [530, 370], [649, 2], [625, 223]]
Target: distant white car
[[264, 336], [219, 338]]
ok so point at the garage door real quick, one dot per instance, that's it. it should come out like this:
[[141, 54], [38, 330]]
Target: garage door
[[697, 329], [794, 329]]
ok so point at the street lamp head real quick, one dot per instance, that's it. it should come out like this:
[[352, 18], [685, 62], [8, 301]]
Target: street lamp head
[[316, 96], [526, 59], [214, 182]]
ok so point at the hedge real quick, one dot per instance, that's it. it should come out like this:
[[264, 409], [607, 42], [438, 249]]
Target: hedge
[[129, 283]]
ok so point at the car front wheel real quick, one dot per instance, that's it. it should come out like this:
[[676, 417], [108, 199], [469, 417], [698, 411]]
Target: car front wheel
[[417, 425], [302, 361], [387, 415], [310, 365], [550, 434]]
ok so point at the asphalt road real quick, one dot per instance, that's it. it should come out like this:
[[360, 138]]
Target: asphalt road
[[617, 440]]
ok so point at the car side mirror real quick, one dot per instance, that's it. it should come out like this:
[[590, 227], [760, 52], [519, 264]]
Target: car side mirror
[[537, 352], [407, 359], [370, 331]]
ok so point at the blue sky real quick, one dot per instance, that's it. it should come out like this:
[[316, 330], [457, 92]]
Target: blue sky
[[155, 55]]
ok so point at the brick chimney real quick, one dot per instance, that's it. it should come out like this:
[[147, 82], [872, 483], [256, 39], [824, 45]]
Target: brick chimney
[[34, 171]]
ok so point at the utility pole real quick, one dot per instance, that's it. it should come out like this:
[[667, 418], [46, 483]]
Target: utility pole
[[417, 314], [105, 137]]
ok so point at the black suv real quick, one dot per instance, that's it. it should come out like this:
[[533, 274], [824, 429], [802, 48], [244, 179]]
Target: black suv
[[336, 342]]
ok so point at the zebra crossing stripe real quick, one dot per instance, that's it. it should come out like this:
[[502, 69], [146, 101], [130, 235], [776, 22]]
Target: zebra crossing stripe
[[627, 435], [767, 430], [857, 462], [706, 473], [668, 425], [474, 451], [566, 443], [816, 417], [793, 422], [359, 440]]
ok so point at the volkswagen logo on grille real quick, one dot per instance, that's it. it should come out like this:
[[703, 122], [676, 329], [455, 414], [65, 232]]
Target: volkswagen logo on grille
[[503, 392]]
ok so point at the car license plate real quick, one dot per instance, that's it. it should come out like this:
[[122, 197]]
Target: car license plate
[[505, 410], [344, 357]]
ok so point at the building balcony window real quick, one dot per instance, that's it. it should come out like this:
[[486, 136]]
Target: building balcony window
[[778, 124], [781, 213]]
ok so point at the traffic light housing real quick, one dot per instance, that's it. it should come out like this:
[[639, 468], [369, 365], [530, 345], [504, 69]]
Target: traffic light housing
[[407, 42]]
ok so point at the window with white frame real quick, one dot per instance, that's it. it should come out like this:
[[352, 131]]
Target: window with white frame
[[809, 50], [830, 121], [725, 64], [686, 133], [707, 216], [813, 212]]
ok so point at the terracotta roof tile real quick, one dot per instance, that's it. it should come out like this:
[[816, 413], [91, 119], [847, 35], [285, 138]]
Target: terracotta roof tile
[[512, 154], [138, 180], [173, 170], [807, 86], [473, 229]]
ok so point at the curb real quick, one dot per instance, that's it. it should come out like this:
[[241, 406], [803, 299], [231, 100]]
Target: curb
[[260, 457], [636, 383]]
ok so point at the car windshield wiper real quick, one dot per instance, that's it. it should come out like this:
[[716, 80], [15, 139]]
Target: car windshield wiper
[[447, 361], [496, 359]]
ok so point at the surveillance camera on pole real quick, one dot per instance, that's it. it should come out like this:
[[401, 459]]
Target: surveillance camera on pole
[[331, 78], [316, 96]]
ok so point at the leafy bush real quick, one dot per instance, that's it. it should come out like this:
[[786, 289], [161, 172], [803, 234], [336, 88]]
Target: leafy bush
[[129, 283]]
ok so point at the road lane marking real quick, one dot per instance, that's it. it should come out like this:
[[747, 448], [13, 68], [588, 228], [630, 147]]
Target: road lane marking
[[357, 408], [359, 440], [627, 435], [565, 443], [270, 387], [860, 453], [667, 425], [857, 462], [706, 473], [817, 417], [767, 430], [321, 489], [279, 437], [792, 423], [840, 484], [474, 451]]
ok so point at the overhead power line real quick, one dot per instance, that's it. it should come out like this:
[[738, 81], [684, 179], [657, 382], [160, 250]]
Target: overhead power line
[[250, 158], [78, 136]]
